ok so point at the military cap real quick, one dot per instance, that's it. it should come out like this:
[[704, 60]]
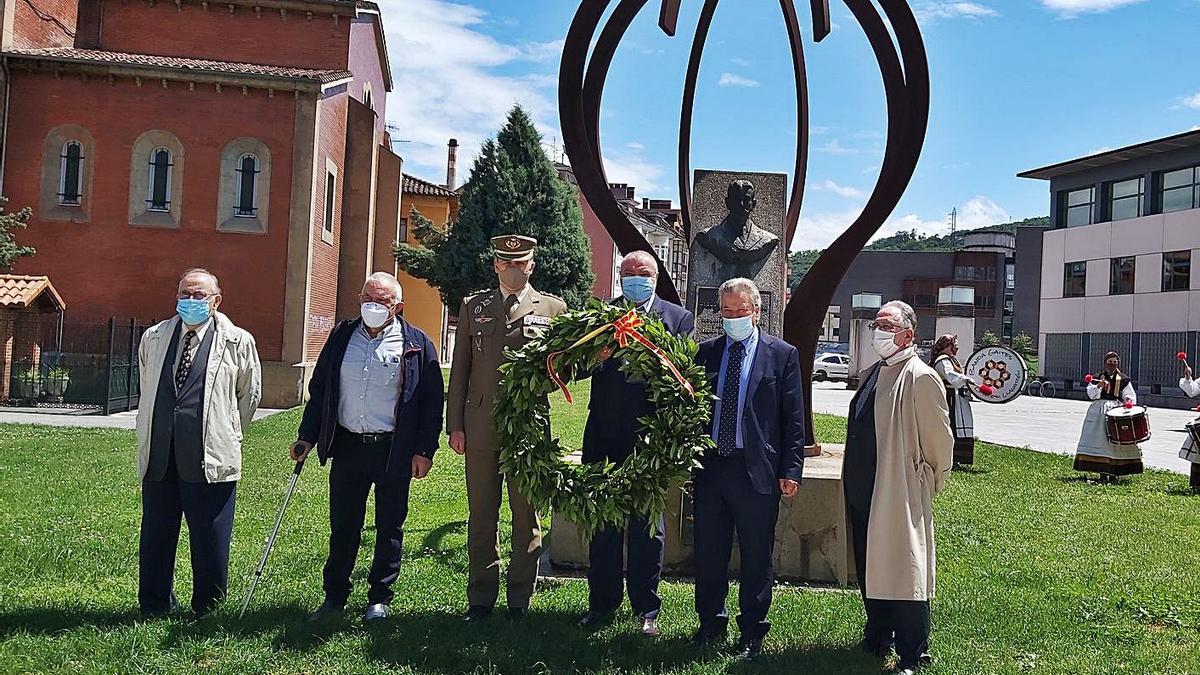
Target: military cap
[[514, 247]]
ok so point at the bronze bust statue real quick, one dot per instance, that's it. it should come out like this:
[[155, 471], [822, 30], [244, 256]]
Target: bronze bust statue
[[737, 239]]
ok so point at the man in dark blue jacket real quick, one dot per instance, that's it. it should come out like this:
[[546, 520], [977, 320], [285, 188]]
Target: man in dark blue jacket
[[617, 403], [375, 407], [758, 427]]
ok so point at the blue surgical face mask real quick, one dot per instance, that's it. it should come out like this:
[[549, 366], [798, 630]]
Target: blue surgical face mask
[[637, 289], [193, 312], [740, 328]]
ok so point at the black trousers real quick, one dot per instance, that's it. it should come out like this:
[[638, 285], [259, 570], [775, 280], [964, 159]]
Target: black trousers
[[355, 468], [726, 502], [904, 621], [208, 508], [607, 567]]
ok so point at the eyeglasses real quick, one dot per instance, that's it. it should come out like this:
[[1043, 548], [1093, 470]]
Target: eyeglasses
[[198, 295], [875, 325]]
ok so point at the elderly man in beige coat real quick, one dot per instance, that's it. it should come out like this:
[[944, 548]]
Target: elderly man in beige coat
[[899, 450], [200, 384]]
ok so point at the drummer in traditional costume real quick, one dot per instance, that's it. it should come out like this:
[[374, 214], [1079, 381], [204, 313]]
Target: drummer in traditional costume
[[1095, 452], [1189, 451], [959, 392]]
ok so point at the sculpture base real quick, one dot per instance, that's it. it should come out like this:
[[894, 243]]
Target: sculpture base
[[811, 537]]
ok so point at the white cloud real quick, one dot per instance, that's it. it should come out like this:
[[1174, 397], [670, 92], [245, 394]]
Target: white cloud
[[839, 190], [1096, 151], [1192, 101], [449, 81], [871, 169], [637, 171], [1072, 8], [635, 146], [739, 61], [981, 212], [732, 80], [934, 10], [835, 147]]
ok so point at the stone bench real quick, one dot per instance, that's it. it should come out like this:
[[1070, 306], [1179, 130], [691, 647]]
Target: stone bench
[[811, 538]]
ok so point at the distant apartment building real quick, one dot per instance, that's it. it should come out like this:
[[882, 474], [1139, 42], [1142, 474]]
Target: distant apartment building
[[1116, 270]]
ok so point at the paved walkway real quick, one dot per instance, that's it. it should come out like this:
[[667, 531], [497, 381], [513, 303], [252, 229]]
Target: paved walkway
[[125, 420], [1043, 424]]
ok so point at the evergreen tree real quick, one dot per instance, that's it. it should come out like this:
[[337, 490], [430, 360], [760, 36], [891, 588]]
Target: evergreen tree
[[9, 251], [513, 189]]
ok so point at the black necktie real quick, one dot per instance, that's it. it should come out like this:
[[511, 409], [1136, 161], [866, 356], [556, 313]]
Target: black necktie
[[185, 361], [727, 432]]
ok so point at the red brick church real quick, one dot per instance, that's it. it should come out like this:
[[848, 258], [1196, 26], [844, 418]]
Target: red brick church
[[245, 136]]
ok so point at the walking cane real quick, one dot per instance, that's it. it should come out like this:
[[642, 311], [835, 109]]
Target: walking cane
[[262, 563]]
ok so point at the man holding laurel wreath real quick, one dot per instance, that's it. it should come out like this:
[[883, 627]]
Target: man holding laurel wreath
[[617, 403], [758, 429], [506, 316]]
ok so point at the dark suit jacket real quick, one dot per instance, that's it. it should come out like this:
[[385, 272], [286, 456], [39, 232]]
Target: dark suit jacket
[[773, 419], [617, 403], [418, 410]]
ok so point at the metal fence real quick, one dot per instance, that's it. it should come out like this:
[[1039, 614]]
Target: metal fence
[[79, 364]]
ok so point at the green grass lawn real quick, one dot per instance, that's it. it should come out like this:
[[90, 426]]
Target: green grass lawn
[[1039, 571]]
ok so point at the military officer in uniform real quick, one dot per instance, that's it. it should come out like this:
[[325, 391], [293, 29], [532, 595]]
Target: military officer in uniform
[[507, 316]]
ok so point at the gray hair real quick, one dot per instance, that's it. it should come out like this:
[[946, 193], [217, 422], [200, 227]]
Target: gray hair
[[743, 286], [196, 271], [643, 257], [906, 313], [389, 280]]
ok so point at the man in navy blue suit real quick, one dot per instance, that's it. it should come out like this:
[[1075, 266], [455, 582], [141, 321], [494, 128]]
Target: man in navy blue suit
[[618, 402], [758, 426]]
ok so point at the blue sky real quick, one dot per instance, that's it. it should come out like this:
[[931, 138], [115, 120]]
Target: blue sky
[[1016, 84]]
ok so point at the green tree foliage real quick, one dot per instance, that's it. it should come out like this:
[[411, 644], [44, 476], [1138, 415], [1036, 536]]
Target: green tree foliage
[[513, 189], [420, 261], [9, 250], [989, 339], [799, 262], [1023, 345]]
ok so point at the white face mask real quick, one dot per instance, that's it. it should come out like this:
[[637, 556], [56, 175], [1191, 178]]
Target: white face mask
[[884, 343], [374, 314]]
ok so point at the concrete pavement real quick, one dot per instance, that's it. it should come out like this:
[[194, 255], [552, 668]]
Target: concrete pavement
[[1042, 424], [125, 420]]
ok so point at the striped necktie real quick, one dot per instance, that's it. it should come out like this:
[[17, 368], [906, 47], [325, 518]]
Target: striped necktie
[[185, 361]]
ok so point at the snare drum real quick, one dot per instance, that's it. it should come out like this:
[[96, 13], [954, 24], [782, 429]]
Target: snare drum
[[1193, 429], [1127, 426]]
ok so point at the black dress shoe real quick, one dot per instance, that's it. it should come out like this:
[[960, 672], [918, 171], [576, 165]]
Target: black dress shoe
[[910, 667], [878, 649], [328, 611], [160, 612], [477, 613], [709, 636], [517, 613], [595, 619], [747, 650]]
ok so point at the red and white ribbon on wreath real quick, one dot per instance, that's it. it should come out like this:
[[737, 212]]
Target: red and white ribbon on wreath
[[625, 329]]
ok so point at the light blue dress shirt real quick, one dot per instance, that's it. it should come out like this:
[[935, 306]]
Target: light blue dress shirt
[[371, 379], [751, 345]]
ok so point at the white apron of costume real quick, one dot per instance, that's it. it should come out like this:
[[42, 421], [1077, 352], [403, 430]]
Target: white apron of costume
[[959, 398]]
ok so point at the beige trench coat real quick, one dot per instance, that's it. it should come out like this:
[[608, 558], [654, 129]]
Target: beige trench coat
[[915, 453]]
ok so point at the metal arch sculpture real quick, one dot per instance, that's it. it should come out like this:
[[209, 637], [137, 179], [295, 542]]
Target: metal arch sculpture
[[903, 66]]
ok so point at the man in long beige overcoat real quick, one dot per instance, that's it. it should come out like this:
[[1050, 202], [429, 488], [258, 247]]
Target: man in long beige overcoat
[[899, 450]]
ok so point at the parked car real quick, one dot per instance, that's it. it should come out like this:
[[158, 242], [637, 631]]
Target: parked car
[[831, 367]]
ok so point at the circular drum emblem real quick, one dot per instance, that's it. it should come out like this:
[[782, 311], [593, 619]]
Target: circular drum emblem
[[1000, 368]]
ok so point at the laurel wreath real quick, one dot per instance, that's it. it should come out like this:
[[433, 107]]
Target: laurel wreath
[[668, 447]]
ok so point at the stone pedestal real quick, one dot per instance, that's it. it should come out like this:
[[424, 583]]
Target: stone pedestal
[[738, 231], [812, 541]]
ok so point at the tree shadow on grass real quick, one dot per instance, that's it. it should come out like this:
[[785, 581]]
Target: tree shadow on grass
[[431, 545], [971, 469], [1181, 490], [553, 642], [51, 620]]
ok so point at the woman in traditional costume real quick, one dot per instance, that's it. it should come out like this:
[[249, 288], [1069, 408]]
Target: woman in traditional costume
[[1189, 451], [959, 392], [1095, 453]]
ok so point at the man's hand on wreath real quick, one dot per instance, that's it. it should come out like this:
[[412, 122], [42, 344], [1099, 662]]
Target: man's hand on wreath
[[604, 354]]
